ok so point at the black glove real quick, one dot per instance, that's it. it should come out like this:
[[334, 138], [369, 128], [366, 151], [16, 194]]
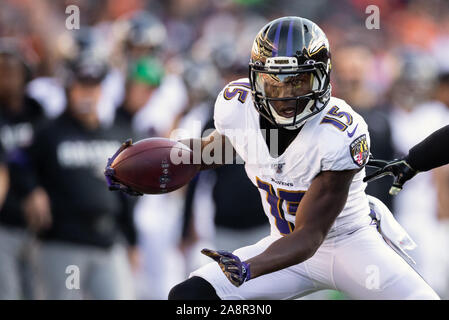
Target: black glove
[[234, 269], [109, 173], [399, 169]]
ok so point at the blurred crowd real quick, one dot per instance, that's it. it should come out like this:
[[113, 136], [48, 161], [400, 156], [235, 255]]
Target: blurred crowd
[[142, 68]]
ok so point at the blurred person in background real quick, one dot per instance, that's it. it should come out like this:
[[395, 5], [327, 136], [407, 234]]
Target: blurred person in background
[[81, 223], [202, 80], [50, 90], [353, 63], [122, 42], [154, 96], [138, 35], [140, 40], [20, 115], [144, 78], [419, 106], [131, 38], [146, 112], [142, 87]]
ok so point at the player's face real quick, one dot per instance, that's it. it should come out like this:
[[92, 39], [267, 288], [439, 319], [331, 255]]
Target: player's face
[[84, 98], [12, 78], [137, 95], [286, 86]]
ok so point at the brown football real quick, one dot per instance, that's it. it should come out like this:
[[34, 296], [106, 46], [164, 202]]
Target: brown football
[[155, 166]]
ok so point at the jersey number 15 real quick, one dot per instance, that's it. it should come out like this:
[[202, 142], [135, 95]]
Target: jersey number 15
[[276, 201]]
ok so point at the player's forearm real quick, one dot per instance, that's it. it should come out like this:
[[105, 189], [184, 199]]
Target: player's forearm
[[431, 152], [285, 252], [197, 146], [212, 151]]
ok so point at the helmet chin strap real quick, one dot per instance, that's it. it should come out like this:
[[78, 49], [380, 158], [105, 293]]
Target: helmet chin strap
[[319, 104], [282, 120]]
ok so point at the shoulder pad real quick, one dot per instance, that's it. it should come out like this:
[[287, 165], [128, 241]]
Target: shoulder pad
[[344, 137], [231, 103]]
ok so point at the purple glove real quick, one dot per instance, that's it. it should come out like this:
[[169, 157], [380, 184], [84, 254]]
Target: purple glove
[[235, 270], [109, 173]]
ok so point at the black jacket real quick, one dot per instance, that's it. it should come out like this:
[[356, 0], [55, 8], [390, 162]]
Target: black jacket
[[69, 161], [17, 132]]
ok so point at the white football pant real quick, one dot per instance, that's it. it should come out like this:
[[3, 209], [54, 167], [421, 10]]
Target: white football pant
[[359, 264]]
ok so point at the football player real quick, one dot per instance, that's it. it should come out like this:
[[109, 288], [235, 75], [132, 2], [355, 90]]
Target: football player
[[310, 176]]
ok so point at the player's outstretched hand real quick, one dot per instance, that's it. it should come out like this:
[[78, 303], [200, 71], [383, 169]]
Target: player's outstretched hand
[[399, 169], [113, 183], [235, 270]]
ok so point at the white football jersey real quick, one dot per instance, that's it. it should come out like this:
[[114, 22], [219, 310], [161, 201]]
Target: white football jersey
[[335, 139]]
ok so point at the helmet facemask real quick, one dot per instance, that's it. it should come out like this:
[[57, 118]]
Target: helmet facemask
[[288, 94]]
